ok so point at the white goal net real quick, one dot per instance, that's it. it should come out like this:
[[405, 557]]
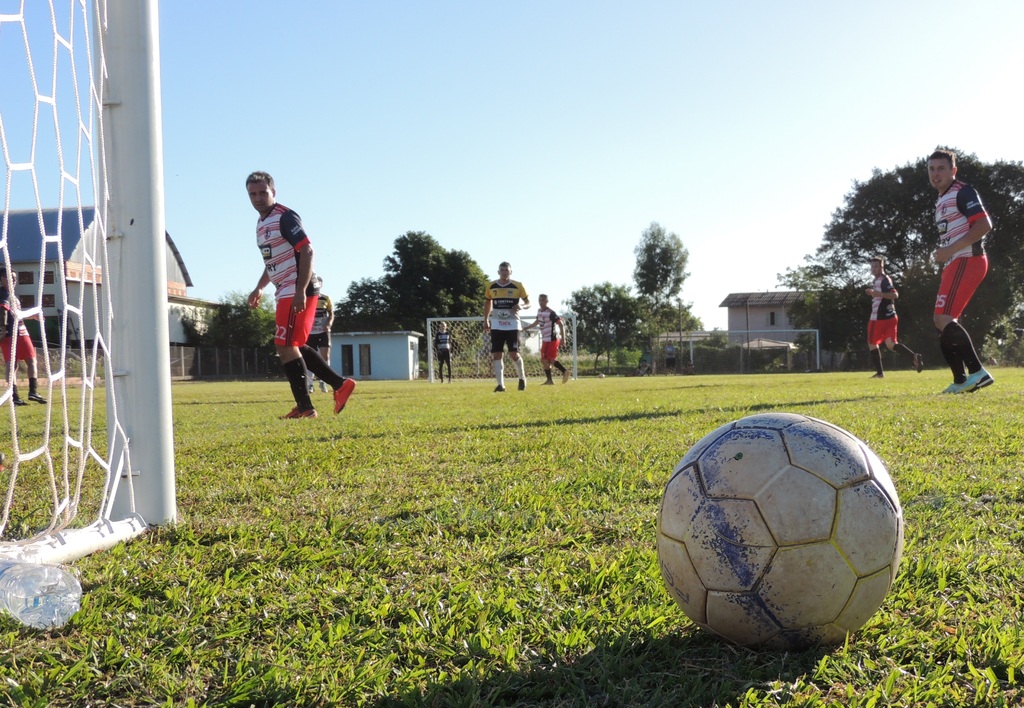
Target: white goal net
[[471, 348], [71, 482]]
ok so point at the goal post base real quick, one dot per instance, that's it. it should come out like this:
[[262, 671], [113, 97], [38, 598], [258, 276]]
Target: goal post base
[[72, 544]]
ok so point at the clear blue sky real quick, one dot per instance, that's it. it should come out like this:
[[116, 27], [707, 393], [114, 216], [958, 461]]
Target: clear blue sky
[[551, 134]]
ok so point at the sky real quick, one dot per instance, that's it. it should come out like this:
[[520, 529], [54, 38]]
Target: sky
[[551, 134]]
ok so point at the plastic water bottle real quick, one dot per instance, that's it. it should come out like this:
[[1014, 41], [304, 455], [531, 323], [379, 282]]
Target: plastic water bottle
[[40, 596]]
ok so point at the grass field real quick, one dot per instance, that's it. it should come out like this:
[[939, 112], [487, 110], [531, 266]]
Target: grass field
[[447, 546]]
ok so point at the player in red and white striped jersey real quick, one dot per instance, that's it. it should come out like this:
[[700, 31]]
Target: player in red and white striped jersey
[[288, 264], [963, 223]]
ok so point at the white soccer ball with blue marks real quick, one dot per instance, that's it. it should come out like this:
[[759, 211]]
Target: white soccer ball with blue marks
[[780, 530]]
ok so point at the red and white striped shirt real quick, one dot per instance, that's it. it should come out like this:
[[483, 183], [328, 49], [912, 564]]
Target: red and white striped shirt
[[279, 237]]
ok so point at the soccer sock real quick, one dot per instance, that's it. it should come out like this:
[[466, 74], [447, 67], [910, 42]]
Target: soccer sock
[[316, 364], [32, 383], [558, 365], [521, 368], [295, 370], [499, 371], [16, 396], [547, 372], [952, 357], [876, 357], [963, 345]]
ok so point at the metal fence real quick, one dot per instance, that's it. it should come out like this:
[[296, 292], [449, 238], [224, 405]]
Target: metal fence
[[227, 363]]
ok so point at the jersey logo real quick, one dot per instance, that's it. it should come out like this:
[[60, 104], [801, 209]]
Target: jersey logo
[[265, 252]]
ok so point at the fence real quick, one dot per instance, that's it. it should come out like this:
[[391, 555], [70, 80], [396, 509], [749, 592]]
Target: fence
[[226, 363]]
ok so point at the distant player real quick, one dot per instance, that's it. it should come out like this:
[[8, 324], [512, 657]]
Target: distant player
[[288, 264], [504, 299], [882, 325], [963, 223], [13, 328], [548, 321], [320, 334], [443, 343]]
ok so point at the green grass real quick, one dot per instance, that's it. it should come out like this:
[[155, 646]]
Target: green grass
[[447, 546]]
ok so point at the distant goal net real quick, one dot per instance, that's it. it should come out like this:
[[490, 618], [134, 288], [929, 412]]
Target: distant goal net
[[471, 349], [88, 462], [734, 352]]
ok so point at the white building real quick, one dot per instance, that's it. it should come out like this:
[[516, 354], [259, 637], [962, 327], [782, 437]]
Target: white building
[[376, 356], [766, 313], [24, 241]]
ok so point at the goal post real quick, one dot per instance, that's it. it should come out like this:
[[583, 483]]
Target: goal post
[[471, 348], [80, 134]]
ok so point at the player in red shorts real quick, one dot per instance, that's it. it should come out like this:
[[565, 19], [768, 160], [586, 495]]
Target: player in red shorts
[[548, 320], [288, 264], [12, 328], [963, 223], [883, 323]]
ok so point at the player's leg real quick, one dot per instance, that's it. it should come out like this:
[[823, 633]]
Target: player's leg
[[892, 343], [874, 339], [325, 354], [290, 333], [960, 279], [497, 358], [513, 352], [553, 356], [11, 371], [33, 374]]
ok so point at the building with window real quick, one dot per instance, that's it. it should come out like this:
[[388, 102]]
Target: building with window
[[25, 236], [766, 313], [377, 356]]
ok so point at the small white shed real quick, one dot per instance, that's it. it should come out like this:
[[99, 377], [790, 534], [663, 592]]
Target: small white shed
[[376, 356]]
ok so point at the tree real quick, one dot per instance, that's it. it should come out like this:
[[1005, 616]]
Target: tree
[[659, 275], [232, 323], [892, 215], [660, 266], [367, 307], [608, 317], [421, 279]]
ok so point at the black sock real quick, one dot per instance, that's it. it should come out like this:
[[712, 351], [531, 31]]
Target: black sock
[[962, 345], [316, 364], [547, 372], [32, 384], [295, 370], [876, 357], [558, 365]]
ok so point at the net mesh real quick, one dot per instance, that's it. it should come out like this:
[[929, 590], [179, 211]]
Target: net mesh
[[471, 348], [62, 468]]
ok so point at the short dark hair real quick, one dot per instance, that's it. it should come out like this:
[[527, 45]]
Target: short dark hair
[[505, 264], [941, 154], [260, 176], [542, 295]]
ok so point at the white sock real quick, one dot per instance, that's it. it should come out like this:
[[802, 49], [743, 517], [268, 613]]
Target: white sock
[[499, 371], [521, 367]]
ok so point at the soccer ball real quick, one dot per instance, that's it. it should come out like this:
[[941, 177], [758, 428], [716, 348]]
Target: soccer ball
[[780, 530], [600, 376]]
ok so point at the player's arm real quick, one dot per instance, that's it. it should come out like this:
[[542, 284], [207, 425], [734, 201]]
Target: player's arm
[[302, 276], [488, 306], [256, 295]]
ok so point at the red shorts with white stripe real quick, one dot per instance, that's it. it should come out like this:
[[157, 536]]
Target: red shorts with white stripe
[[960, 278], [549, 350], [292, 329]]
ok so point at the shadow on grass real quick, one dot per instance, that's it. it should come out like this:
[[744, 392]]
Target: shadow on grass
[[738, 411], [693, 669]]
